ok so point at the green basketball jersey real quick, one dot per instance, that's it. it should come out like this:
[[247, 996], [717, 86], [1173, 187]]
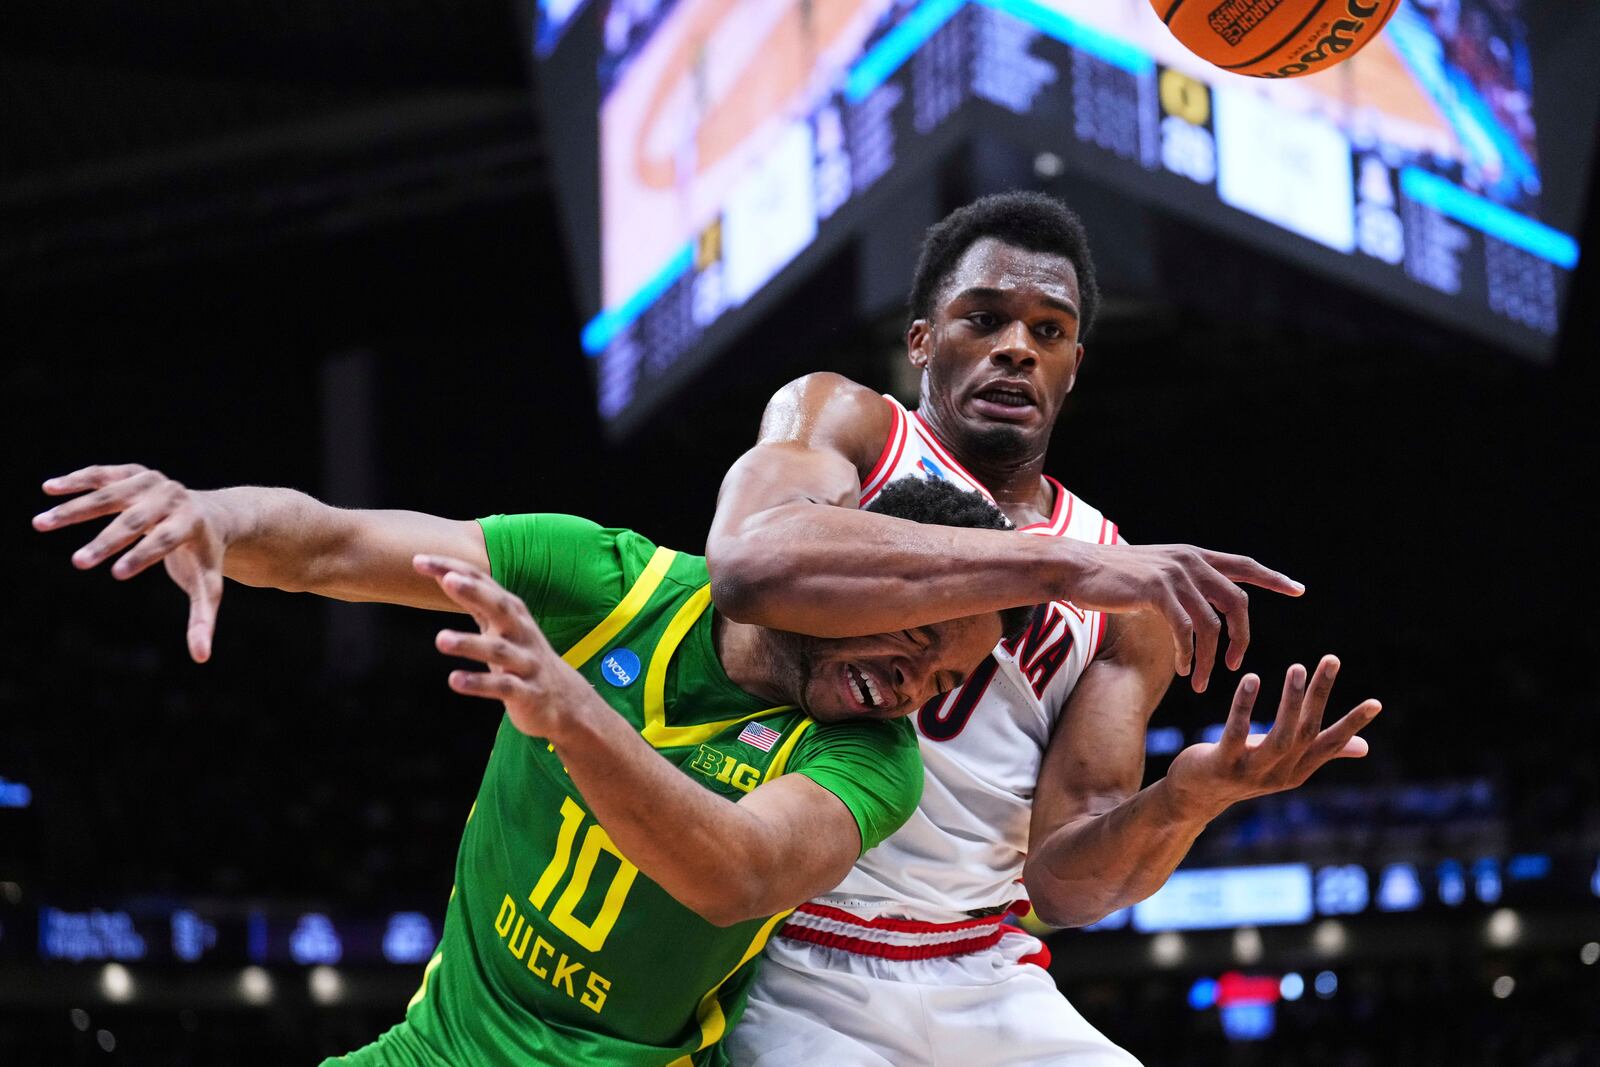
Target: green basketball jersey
[[557, 950]]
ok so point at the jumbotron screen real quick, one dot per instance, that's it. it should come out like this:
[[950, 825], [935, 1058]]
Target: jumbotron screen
[[734, 134]]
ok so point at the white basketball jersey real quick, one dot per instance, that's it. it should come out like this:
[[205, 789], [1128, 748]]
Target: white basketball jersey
[[982, 745]]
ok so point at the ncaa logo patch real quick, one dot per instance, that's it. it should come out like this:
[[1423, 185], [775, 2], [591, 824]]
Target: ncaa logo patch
[[620, 667]]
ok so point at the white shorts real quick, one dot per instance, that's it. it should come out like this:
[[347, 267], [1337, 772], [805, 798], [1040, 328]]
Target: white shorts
[[814, 1006]]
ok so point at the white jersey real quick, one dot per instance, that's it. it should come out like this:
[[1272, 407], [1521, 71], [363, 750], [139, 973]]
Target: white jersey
[[983, 744]]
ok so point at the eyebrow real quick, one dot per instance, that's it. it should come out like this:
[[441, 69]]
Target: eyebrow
[[982, 292]]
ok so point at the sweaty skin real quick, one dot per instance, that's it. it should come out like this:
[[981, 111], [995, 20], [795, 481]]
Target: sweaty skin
[[998, 357]]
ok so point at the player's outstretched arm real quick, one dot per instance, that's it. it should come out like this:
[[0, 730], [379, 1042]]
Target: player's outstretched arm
[[778, 559], [1099, 843], [787, 841], [273, 538]]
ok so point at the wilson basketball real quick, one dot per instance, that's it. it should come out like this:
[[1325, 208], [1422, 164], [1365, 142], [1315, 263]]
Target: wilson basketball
[[1275, 38]]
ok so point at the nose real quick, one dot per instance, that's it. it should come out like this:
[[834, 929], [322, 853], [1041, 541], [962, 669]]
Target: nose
[[916, 678], [1014, 346]]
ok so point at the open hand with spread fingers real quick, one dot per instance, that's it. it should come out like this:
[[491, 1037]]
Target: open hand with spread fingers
[[170, 523], [540, 691], [1209, 777]]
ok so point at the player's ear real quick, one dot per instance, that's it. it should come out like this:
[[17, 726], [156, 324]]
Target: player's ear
[[1077, 365], [919, 343]]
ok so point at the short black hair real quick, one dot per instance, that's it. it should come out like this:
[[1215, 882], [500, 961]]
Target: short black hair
[[936, 501], [1033, 221]]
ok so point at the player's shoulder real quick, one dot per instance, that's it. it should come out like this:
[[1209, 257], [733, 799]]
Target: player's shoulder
[[828, 410], [1074, 517], [893, 739]]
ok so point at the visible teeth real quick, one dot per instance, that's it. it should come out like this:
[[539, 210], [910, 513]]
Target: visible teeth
[[872, 690], [865, 686]]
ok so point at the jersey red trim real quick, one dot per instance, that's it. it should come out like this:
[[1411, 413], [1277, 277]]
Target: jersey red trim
[[891, 952], [893, 447], [1058, 522], [1040, 958], [899, 926], [926, 432]]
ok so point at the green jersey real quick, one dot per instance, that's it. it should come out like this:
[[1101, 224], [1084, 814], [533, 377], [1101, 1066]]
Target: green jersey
[[556, 949]]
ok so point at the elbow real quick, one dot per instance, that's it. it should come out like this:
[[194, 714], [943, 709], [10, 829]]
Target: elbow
[[721, 916], [1066, 906], [745, 582], [1061, 917], [738, 901], [751, 884]]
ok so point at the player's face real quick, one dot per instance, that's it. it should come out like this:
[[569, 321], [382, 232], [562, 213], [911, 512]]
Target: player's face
[[888, 675], [1001, 352]]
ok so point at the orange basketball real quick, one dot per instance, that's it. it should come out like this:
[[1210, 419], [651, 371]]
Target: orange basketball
[[1274, 38]]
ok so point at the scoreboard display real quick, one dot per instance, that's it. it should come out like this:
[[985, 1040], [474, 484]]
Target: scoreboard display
[[736, 138]]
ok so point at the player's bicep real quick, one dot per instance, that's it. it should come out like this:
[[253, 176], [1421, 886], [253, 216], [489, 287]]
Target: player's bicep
[[773, 474], [1095, 759], [373, 560], [811, 838], [819, 434]]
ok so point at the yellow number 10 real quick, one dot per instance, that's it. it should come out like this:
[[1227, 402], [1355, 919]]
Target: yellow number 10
[[591, 935]]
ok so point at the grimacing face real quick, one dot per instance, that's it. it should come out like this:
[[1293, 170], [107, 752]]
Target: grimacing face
[[885, 676], [1001, 352]]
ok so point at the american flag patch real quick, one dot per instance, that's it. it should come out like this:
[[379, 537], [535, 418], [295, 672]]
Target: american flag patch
[[761, 737]]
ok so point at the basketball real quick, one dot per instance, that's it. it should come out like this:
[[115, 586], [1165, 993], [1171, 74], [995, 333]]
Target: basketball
[[1275, 38]]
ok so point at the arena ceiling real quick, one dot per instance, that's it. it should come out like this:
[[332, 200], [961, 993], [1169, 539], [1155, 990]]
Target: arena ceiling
[[140, 132]]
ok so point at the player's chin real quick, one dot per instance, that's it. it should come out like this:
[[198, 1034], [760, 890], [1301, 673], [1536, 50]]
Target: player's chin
[[1006, 436], [826, 706]]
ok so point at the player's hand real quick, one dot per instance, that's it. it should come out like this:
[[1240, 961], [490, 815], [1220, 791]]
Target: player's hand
[[171, 524], [1187, 586], [540, 691], [1208, 777]]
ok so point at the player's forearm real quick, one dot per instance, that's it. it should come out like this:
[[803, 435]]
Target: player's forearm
[[284, 539], [1096, 864], [278, 538], [838, 572], [710, 854]]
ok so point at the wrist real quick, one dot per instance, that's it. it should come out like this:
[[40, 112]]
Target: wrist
[[1188, 806], [579, 723], [222, 519], [1069, 564]]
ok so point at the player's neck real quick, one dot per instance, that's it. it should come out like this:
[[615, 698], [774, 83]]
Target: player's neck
[[1014, 479], [747, 658]]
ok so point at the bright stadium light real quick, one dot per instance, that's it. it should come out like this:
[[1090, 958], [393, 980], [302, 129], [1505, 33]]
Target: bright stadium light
[[1247, 947], [1167, 949], [1503, 987], [1590, 953], [1504, 928], [255, 985], [116, 983], [327, 985], [1329, 937], [1048, 165]]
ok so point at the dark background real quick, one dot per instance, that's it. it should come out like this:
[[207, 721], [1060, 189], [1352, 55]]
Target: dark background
[[315, 245]]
